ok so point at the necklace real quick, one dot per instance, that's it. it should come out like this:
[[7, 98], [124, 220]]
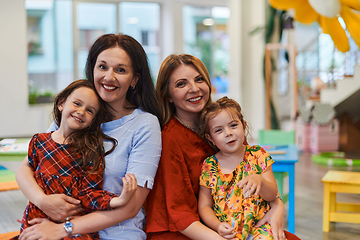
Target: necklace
[[189, 127]]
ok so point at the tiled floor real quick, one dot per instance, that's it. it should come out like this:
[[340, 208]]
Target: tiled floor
[[308, 204]]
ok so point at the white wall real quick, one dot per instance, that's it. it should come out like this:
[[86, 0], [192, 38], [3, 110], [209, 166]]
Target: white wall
[[17, 118], [246, 60]]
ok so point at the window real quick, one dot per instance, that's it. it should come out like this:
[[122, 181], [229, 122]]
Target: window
[[89, 28], [142, 22], [34, 38], [50, 47], [319, 64], [205, 37], [57, 54], [148, 38], [88, 36]]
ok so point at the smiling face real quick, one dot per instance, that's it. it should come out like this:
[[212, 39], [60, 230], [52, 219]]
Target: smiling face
[[78, 110], [113, 75], [226, 132], [188, 91]]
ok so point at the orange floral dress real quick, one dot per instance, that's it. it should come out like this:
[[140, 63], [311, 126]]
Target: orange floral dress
[[229, 203]]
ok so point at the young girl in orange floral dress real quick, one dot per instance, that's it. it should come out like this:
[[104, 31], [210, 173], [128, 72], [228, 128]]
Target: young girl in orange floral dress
[[237, 183]]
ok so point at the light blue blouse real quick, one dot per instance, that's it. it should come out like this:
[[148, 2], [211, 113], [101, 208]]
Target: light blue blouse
[[138, 151]]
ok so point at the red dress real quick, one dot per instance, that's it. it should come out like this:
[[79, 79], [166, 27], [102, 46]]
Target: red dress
[[172, 203]]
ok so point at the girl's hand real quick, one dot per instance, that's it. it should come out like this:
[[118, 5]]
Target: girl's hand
[[129, 186], [226, 231], [275, 217], [43, 229], [251, 185], [60, 206], [129, 189]]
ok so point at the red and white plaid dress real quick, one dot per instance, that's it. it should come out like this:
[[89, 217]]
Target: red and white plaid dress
[[56, 171]]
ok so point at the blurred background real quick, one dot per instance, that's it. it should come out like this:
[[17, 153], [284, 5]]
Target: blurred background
[[292, 65]]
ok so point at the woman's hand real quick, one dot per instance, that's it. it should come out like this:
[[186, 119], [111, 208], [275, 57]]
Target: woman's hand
[[60, 206], [275, 217], [43, 229]]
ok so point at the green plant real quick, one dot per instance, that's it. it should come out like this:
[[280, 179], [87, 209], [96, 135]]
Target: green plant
[[46, 94], [34, 48], [34, 95]]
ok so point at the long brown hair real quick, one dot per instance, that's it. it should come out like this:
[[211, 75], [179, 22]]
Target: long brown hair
[[86, 143], [168, 66], [213, 109]]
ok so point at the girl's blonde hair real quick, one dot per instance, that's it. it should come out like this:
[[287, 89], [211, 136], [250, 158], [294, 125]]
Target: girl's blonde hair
[[168, 66], [213, 109]]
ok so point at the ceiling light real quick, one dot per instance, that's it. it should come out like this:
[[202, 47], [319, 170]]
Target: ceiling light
[[208, 22]]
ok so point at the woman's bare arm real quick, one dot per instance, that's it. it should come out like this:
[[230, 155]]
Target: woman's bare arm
[[197, 230], [100, 220], [88, 223], [275, 216]]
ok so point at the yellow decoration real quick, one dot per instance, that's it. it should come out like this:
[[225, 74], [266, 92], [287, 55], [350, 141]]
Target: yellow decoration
[[305, 13], [327, 8]]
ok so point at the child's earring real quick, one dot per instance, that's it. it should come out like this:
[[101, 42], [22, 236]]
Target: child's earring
[[133, 87]]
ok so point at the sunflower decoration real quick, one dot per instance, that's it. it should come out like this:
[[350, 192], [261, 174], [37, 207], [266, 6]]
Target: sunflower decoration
[[326, 13]]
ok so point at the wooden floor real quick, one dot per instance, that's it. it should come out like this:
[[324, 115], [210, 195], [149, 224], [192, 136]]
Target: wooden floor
[[308, 205]]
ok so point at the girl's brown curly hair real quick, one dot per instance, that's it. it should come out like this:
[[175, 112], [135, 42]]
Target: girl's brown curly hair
[[213, 109]]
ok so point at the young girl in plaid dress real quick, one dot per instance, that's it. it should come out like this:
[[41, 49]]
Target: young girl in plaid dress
[[237, 183], [70, 160]]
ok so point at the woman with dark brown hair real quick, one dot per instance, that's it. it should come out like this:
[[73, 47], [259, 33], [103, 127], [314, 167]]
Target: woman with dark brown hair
[[117, 66]]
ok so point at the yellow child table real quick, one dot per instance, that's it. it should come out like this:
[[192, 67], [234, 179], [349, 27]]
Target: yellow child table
[[340, 182]]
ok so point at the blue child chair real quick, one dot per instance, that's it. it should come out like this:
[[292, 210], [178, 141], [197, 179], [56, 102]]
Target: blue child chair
[[279, 137]]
